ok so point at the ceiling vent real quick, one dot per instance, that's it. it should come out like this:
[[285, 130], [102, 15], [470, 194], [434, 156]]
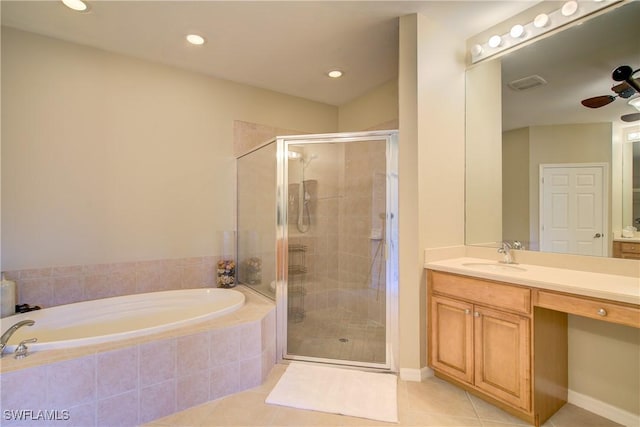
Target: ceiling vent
[[527, 83]]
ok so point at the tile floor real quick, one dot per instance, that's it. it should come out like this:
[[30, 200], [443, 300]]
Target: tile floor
[[429, 403]]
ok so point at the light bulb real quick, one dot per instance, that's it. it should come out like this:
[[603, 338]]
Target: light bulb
[[569, 8], [495, 41], [541, 20], [476, 50], [517, 31]]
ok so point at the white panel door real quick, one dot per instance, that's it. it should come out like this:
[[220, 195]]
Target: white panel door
[[572, 217]]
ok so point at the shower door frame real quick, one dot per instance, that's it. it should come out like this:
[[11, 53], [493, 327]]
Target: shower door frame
[[391, 242]]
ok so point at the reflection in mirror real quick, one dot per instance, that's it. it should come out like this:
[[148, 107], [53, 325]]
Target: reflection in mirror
[[542, 169]]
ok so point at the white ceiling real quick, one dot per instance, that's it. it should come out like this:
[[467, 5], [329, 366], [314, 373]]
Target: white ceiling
[[282, 46]]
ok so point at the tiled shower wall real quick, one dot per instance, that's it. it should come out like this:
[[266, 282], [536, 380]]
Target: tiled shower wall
[[345, 265], [51, 286]]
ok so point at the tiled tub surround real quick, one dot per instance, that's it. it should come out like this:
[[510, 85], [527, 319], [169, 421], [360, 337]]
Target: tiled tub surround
[[51, 286], [138, 380]]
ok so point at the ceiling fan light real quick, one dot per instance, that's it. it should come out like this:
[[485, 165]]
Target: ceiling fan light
[[635, 103], [541, 20], [517, 31]]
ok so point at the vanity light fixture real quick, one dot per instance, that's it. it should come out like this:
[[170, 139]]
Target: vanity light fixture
[[569, 12], [517, 31], [77, 5], [334, 74], [195, 39]]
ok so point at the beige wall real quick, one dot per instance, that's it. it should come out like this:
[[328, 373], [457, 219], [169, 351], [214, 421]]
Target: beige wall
[[431, 164], [107, 158], [380, 105], [483, 196]]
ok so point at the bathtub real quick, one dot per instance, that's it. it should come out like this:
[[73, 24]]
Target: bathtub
[[116, 318]]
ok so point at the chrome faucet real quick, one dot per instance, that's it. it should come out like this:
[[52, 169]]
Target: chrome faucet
[[505, 250], [5, 337]]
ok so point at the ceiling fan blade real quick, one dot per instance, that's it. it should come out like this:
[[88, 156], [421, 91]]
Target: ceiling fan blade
[[633, 117], [624, 90], [598, 101]]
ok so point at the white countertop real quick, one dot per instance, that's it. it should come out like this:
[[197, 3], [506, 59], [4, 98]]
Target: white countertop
[[597, 285], [635, 239]]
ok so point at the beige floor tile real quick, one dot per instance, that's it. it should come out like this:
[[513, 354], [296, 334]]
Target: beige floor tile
[[243, 409], [487, 413], [436, 396], [572, 416], [298, 417], [421, 419], [432, 403]]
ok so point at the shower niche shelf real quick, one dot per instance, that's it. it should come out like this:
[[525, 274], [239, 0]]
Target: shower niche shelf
[[296, 289]]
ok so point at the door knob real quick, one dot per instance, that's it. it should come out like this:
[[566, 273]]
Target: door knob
[[597, 235]]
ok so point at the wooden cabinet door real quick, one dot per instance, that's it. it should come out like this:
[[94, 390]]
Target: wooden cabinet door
[[451, 344], [502, 362]]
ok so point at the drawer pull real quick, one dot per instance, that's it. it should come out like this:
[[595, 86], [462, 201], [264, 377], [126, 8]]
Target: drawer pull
[[602, 312]]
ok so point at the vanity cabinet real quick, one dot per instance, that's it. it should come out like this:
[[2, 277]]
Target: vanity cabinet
[[480, 335], [629, 250]]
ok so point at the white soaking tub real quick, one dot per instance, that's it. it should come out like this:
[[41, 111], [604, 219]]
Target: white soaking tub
[[110, 319]]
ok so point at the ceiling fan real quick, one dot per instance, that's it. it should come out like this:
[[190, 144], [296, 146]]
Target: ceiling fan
[[626, 89]]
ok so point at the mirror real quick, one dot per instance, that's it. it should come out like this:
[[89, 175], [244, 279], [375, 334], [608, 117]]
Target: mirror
[[522, 130]]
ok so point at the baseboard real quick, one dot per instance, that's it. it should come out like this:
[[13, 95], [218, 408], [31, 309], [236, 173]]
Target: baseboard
[[603, 409], [409, 374]]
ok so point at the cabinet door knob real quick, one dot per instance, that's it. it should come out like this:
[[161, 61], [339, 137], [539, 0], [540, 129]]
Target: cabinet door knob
[[476, 314], [602, 312], [467, 311]]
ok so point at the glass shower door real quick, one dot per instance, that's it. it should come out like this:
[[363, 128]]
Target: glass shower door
[[340, 272]]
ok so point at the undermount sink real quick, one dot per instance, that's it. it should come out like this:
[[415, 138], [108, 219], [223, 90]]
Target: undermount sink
[[493, 266]]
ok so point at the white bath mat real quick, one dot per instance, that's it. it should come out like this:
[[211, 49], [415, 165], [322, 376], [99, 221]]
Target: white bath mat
[[338, 391]]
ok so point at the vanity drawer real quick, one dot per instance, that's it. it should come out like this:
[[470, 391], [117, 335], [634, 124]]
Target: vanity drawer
[[485, 292], [596, 309], [630, 247]]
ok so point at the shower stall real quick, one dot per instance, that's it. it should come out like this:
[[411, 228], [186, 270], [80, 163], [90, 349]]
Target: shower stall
[[317, 233]]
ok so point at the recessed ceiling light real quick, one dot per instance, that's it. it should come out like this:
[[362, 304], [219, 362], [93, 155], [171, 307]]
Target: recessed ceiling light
[[195, 39], [334, 74], [77, 5]]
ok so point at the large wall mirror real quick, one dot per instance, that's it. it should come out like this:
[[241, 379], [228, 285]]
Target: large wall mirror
[[536, 157]]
